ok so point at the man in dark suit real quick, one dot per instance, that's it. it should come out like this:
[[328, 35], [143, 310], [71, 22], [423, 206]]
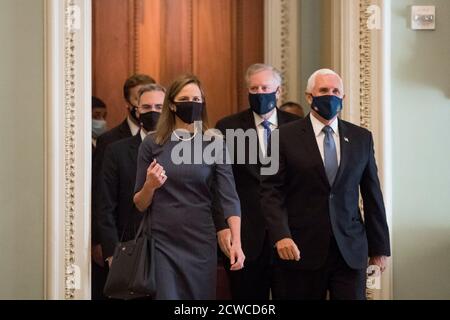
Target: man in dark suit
[[128, 128], [311, 205], [254, 282], [118, 217]]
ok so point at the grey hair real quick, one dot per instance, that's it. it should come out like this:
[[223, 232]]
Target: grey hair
[[321, 72], [258, 67]]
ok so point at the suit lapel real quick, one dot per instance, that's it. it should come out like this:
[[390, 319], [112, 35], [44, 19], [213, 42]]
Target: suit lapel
[[125, 130], [248, 122], [282, 119], [313, 149], [345, 149], [134, 148]]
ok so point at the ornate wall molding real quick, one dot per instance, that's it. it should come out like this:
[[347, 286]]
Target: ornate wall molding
[[68, 149], [285, 45], [282, 36], [365, 67]]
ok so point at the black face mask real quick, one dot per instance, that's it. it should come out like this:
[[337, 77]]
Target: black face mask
[[133, 113], [262, 103], [327, 106], [189, 111], [149, 120]]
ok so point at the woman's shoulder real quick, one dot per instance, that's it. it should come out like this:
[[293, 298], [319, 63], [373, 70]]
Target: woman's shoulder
[[213, 135], [150, 139], [150, 145]]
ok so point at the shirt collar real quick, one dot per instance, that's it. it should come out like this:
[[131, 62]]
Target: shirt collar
[[133, 127], [318, 126], [273, 120], [143, 135]]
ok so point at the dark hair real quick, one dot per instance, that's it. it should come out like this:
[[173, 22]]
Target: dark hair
[[295, 105], [134, 81], [98, 103], [166, 123], [291, 104]]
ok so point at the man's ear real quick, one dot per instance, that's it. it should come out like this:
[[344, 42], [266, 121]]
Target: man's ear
[[343, 100], [279, 93], [309, 98]]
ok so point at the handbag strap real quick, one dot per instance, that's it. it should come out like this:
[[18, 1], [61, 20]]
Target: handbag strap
[[143, 225]]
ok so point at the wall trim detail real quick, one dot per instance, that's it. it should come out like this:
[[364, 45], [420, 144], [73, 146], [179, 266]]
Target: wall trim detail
[[68, 148], [282, 37], [365, 62], [368, 102]]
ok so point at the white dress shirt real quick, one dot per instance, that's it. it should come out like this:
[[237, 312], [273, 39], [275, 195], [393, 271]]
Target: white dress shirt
[[273, 120], [134, 128], [320, 136], [143, 135]]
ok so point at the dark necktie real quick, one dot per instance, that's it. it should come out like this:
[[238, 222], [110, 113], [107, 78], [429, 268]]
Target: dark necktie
[[267, 132], [330, 154]]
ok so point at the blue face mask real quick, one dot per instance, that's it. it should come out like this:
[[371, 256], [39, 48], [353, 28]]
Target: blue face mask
[[262, 103], [98, 127], [327, 106]]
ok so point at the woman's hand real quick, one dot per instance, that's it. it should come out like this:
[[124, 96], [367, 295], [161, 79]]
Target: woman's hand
[[237, 257], [156, 176], [224, 240]]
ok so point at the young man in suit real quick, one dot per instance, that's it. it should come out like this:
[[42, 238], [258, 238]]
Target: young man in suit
[[118, 217], [128, 128], [99, 125], [311, 205], [254, 282]]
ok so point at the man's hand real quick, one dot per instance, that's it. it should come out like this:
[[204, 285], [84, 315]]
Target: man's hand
[[288, 250], [224, 239], [97, 256], [109, 259], [237, 257], [380, 261]]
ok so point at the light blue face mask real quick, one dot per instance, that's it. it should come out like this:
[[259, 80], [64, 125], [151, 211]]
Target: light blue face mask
[[98, 128]]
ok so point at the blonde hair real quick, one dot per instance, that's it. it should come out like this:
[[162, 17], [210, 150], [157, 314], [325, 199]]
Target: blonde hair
[[167, 121]]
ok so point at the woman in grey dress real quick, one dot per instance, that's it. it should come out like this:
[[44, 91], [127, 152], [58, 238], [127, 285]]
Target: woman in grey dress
[[180, 195]]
